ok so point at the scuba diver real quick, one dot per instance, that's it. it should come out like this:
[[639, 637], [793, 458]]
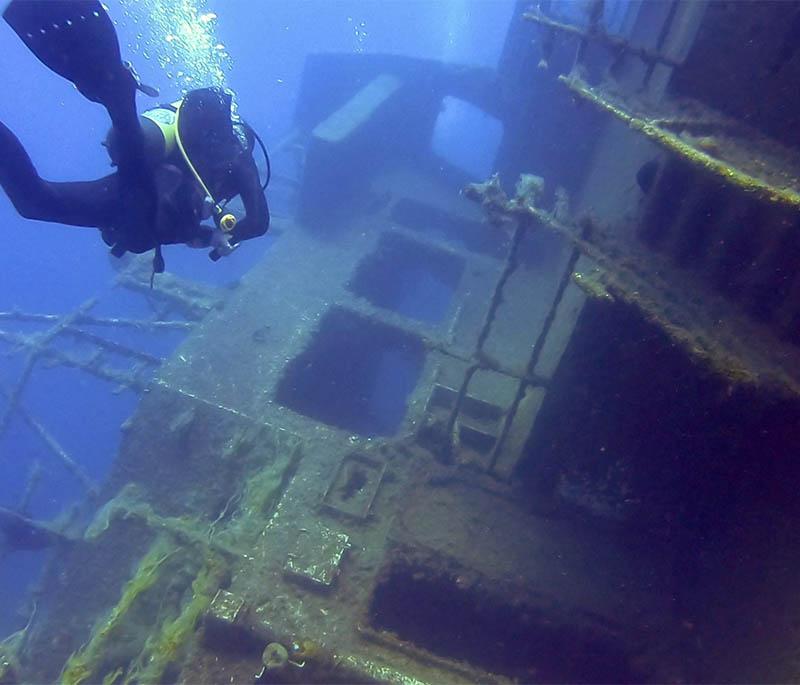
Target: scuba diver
[[176, 166]]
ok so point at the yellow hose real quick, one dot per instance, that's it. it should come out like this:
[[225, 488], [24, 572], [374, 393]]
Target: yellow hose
[[227, 222]]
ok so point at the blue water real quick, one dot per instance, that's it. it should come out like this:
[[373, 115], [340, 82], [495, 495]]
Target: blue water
[[51, 269]]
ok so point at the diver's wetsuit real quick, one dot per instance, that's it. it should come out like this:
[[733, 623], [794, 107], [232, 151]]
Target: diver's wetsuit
[[98, 203], [221, 151], [147, 202], [82, 203]]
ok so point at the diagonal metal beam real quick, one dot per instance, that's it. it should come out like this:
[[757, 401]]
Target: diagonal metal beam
[[90, 320], [40, 343], [54, 446]]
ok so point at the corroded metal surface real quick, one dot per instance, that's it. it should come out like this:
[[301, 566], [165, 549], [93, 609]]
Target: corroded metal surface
[[707, 140], [235, 497], [237, 518], [316, 555]]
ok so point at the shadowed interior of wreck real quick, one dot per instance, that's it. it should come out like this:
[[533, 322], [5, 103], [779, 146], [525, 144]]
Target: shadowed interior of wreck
[[514, 640], [357, 375], [706, 474]]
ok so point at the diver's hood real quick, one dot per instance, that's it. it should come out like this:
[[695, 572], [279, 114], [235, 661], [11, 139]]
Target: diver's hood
[[206, 125]]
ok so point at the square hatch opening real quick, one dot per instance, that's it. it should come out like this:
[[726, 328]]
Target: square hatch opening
[[409, 277], [356, 374]]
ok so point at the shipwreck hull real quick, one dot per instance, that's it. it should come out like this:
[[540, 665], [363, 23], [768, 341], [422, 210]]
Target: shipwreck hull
[[446, 436]]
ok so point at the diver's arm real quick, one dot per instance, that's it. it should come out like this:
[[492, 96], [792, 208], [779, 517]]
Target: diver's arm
[[256, 220]]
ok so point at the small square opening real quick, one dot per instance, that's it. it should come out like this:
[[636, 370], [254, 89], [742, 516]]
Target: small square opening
[[408, 277], [356, 374]]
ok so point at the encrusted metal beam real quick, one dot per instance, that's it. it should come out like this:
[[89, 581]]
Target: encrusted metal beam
[[639, 280], [53, 445], [536, 352], [86, 319], [433, 344], [673, 142], [496, 203], [520, 209], [39, 343], [192, 301], [93, 365], [596, 33]]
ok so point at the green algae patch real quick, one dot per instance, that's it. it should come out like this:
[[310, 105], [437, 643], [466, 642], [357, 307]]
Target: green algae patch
[[169, 646], [150, 628], [88, 663], [260, 494]]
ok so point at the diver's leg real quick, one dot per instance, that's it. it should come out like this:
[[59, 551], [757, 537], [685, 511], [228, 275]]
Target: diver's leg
[[89, 203], [77, 39]]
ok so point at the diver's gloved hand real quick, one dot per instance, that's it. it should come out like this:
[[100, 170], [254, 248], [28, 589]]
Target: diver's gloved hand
[[220, 241]]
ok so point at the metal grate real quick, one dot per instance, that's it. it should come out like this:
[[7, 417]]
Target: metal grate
[[176, 305]]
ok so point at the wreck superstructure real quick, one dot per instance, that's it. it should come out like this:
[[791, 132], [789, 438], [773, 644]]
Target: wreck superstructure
[[537, 430]]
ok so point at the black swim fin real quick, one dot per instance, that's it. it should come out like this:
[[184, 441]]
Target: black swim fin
[[77, 40]]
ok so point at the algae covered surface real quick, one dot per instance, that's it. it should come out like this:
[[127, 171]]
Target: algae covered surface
[[150, 628]]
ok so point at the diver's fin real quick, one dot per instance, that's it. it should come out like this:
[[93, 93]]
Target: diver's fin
[[74, 38], [77, 40]]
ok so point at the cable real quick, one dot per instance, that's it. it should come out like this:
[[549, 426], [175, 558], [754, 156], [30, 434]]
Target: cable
[[264, 150]]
